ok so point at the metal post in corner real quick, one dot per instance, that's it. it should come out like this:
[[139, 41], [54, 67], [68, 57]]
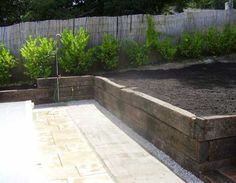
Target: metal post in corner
[[58, 36]]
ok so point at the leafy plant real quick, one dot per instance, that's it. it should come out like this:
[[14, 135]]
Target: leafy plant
[[229, 38], [38, 54], [214, 42], [137, 53], [152, 34], [75, 57], [108, 52], [191, 46], [167, 49], [7, 62]]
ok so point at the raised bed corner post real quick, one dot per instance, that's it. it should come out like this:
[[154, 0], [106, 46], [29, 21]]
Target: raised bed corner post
[[58, 36]]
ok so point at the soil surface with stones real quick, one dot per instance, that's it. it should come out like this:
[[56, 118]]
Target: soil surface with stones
[[204, 89]]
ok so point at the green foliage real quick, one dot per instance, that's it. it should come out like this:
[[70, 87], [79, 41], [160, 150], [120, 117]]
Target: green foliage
[[214, 41], [75, 57], [7, 62], [108, 52], [191, 46], [137, 53], [151, 35], [180, 5], [15, 11], [229, 38], [12, 10], [207, 4], [167, 49], [38, 54]]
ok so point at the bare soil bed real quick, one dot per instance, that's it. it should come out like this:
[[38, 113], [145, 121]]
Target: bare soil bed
[[203, 89]]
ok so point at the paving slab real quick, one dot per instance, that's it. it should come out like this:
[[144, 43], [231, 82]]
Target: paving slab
[[74, 142], [65, 153], [126, 160], [91, 141]]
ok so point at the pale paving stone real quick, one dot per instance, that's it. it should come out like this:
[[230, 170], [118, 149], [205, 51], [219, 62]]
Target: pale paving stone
[[91, 169], [46, 143], [103, 178], [43, 133], [45, 138], [113, 155], [60, 172], [74, 147], [68, 141], [46, 128], [65, 136], [65, 153], [126, 160], [57, 181], [46, 149], [113, 149], [66, 126], [78, 158], [69, 131], [147, 179], [50, 160]]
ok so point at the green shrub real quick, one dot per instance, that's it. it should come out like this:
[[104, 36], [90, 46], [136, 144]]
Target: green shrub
[[137, 53], [38, 54], [191, 46], [214, 40], [75, 57], [108, 52], [167, 49], [152, 35], [7, 62], [229, 38]]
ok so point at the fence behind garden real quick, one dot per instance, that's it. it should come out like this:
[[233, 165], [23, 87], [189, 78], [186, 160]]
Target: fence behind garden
[[122, 27]]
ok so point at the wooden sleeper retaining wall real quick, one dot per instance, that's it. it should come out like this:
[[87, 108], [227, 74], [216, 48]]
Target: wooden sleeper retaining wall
[[71, 88], [198, 144]]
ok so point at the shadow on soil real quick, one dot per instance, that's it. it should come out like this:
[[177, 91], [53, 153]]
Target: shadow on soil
[[199, 76], [203, 89]]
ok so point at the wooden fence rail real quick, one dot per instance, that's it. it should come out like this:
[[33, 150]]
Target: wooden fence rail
[[122, 27]]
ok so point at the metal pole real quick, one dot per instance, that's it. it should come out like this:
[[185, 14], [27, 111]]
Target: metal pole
[[58, 36]]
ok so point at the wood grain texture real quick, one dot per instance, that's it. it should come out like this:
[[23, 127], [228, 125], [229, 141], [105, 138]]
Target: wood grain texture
[[122, 27]]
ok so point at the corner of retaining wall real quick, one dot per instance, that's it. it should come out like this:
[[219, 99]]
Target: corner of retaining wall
[[198, 144]]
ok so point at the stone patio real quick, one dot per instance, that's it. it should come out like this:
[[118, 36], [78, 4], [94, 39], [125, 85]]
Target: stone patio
[[80, 143]]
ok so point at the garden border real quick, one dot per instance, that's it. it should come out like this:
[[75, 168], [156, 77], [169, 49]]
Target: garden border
[[198, 144]]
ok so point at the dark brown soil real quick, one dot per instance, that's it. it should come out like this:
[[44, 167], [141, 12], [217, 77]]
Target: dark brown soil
[[203, 89]]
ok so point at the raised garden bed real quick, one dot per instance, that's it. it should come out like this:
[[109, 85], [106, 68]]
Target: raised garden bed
[[196, 142], [203, 89], [199, 144]]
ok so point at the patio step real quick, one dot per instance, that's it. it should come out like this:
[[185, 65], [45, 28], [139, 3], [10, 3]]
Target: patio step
[[223, 175]]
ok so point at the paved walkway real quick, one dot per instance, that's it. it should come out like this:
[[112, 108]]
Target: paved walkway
[[79, 143]]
